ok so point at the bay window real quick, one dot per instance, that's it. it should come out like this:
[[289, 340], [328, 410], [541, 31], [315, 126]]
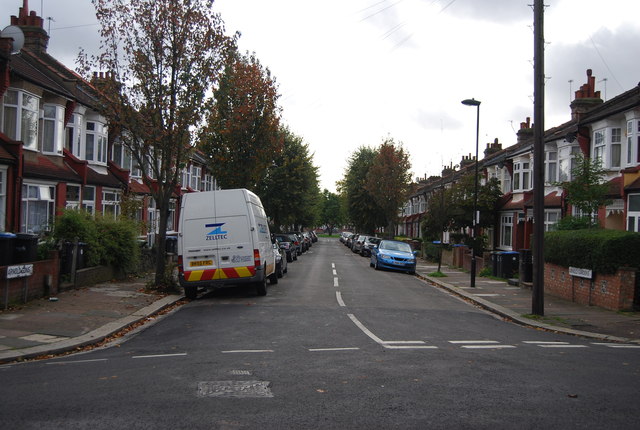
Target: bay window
[[74, 131], [20, 117], [89, 199], [196, 174], [52, 129], [521, 176], [551, 167], [95, 142]]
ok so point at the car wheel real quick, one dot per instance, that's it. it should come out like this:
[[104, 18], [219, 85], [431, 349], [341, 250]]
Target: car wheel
[[261, 287], [273, 278], [375, 265], [280, 272], [190, 292]]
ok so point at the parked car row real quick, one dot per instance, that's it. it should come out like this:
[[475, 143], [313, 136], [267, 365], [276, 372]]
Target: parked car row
[[383, 253], [359, 243]]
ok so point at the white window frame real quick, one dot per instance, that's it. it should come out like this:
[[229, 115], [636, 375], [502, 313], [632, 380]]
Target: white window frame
[[567, 162], [53, 129], [89, 199], [615, 149], [550, 166], [195, 177], [121, 155], [111, 202], [208, 182], [35, 198], [73, 203], [600, 145], [95, 139], [3, 197], [25, 113], [73, 138], [633, 212], [522, 176], [506, 231], [551, 218]]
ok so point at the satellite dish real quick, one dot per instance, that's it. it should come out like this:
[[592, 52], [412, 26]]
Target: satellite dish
[[14, 32]]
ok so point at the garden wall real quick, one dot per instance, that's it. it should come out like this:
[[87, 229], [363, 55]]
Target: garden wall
[[43, 282], [615, 292]]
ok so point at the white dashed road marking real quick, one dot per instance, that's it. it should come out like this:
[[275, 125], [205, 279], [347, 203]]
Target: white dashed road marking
[[339, 299]]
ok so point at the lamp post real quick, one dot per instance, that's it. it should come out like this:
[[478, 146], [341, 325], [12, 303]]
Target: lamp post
[[476, 103]]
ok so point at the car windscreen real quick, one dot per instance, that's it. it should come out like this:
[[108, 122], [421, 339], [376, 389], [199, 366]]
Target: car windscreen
[[395, 246]]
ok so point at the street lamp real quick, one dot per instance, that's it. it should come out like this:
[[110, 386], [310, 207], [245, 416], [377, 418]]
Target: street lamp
[[476, 103]]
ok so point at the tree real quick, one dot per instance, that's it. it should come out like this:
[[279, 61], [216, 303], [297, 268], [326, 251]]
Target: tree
[[242, 136], [290, 186], [363, 212], [388, 181], [162, 58], [331, 214], [460, 198], [587, 190]]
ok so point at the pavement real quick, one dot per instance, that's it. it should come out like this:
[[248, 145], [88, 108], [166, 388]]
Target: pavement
[[79, 318]]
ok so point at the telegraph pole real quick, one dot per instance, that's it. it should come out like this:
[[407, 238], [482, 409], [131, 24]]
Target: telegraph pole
[[537, 296]]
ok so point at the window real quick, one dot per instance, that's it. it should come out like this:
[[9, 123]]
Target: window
[[196, 174], [110, 203], [599, 146], [616, 147], [74, 131], [208, 182], [121, 155], [52, 129], [73, 197], [172, 216], [185, 177], [20, 117], [38, 203], [3, 197], [551, 167], [506, 230], [567, 162], [633, 213], [89, 199], [551, 219], [521, 176], [95, 142]]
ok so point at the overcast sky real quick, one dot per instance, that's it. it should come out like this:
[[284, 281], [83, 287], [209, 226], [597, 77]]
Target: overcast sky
[[354, 72]]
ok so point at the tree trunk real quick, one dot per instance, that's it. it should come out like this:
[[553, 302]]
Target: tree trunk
[[163, 207]]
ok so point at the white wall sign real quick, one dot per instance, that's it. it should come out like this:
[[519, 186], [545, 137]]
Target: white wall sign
[[581, 273], [20, 271]]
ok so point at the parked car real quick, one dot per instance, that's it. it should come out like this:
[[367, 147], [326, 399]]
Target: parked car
[[343, 236], [314, 236], [358, 243], [369, 243], [393, 254], [288, 243], [349, 240], [281, 262], [302, 247]]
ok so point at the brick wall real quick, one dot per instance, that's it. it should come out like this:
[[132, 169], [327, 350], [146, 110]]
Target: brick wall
[[43, 282], [614, 292]]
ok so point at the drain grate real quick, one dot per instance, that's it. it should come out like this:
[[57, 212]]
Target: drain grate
[[237, 389], [240, 372]]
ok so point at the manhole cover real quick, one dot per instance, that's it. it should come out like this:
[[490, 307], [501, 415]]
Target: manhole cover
[[234, 389]]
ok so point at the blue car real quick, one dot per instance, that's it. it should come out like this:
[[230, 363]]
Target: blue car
[[393, 254]]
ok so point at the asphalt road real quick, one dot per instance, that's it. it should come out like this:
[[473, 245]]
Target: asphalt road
[[334, 345]]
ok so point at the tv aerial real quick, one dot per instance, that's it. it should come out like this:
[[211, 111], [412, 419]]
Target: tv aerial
[[14, 32]]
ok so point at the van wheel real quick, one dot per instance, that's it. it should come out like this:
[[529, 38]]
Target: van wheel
[[261, 287], [190, 292]]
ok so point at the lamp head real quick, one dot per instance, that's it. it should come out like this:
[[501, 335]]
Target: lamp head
[[471, 102]]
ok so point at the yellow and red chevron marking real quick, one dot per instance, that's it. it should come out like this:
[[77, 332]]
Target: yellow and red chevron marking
[[215, 274]]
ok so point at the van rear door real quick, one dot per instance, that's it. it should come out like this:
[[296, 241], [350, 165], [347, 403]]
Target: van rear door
[[217, 248]]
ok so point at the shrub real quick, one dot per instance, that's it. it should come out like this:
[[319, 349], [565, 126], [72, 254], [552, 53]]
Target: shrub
[[111, 242], [118, 239], [603, 251], [72, 224], [576, 223]]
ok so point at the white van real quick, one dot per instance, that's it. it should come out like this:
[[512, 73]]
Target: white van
[[224, 239]]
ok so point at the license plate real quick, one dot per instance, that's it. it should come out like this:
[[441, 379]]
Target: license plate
[[399, 263], [201, 263]]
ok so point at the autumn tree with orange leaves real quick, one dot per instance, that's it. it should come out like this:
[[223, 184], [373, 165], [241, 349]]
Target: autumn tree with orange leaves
[[388, 181], [163, 58], [242, 137]]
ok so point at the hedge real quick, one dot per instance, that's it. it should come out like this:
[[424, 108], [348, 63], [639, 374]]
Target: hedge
[[603, 251]]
